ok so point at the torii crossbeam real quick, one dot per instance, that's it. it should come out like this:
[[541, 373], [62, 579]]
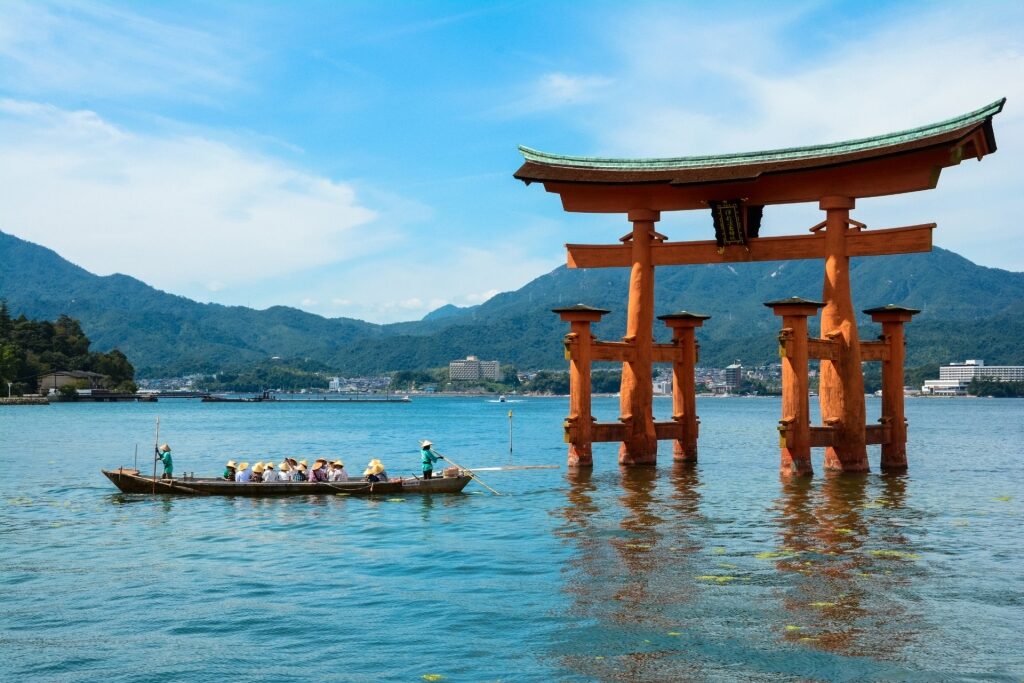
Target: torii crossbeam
[[737, 187]]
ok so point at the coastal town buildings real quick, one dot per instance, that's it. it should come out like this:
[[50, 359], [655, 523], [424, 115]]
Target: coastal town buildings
[[954, 378], [472, 368]]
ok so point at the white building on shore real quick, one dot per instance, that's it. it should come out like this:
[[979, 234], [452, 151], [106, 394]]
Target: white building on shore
[[954, 378], [472, 368]]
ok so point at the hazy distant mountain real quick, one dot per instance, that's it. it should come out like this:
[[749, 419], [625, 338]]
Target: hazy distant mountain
[[968, 311]]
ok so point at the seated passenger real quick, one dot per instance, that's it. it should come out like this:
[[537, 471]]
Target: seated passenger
[[319, 471], [284, 471], [338, 472], [229, 471], [242, 473], [300, 473], [383, 474], [269, 475], [375, 472], [257, 473]]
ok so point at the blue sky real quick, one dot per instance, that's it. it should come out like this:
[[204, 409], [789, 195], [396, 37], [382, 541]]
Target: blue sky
[[356, 159]]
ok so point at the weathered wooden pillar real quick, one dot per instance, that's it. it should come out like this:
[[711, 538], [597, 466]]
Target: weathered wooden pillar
[[636, 397], [841, 390], [892, 318], [795, 425], [684, 389], [578, 349]]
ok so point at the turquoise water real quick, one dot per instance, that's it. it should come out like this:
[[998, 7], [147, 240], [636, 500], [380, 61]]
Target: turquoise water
[[717, 573]]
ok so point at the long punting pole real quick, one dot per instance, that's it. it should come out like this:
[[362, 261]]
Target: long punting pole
[[470, 473], [156, 449], [841, 390], [640, 446], [510, 434]]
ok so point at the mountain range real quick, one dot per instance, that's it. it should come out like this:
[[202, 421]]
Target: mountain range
[[967, 311]]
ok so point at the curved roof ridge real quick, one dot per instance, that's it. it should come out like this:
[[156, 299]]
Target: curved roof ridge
[[975, 117]]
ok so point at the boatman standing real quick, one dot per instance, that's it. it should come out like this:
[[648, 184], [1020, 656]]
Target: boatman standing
[[428, 458], [163, 454]]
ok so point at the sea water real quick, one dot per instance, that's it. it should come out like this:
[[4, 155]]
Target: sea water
[[718, 572]]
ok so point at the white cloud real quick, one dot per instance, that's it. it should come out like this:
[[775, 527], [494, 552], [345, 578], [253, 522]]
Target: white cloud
[[481, 297], [554, 90], [174, 211], [378, 290], [94, 49]]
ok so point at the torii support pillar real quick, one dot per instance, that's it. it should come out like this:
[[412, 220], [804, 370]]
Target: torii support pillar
[[841, 388], [578, 348], [636, 395], [795, 425], [684, 389], [892, 318]]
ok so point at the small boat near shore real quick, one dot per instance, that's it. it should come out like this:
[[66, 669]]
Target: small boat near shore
[[131, 481]]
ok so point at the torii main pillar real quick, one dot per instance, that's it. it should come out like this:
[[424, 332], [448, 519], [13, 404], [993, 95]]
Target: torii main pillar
[[636, 394], [841, 384]]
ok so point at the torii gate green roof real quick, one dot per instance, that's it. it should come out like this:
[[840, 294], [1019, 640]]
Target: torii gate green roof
[[543, 166]]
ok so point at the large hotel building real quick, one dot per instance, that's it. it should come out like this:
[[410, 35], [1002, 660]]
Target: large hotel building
[[473, 369], [954, 378]]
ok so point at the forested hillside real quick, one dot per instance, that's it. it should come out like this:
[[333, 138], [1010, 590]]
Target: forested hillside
[[968, 311]]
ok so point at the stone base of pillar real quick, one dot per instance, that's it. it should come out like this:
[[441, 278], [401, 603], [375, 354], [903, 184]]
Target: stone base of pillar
[[843, 460], [580, 456], [894, 459], [644, 453], [790, 466], [683, 453]]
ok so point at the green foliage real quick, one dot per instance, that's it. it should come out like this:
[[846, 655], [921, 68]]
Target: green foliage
[[759, 388], [407, 380], [988, 387], [70, 390], [605, 381], [30, 348], [549, 382]]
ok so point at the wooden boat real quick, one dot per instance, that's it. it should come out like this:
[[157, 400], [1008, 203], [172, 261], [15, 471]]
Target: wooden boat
[[130, 481]]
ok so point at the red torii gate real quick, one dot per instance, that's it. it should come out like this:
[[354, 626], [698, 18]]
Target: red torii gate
[[737, 187]]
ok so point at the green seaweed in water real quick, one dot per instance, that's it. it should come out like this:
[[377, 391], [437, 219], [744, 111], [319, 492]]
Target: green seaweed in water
[[894, 554], [717, 578]]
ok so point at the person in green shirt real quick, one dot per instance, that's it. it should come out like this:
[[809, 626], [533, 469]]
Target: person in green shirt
[[163, 454], [428, 457], [229, 470]]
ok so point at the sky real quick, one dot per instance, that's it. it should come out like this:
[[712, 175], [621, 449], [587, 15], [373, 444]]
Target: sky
[[355, 158]]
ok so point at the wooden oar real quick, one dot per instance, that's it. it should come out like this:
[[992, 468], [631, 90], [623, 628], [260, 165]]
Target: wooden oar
[[156, 451], [469, 472]]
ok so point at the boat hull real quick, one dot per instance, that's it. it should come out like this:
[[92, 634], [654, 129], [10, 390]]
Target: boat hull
[[129, 481]]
